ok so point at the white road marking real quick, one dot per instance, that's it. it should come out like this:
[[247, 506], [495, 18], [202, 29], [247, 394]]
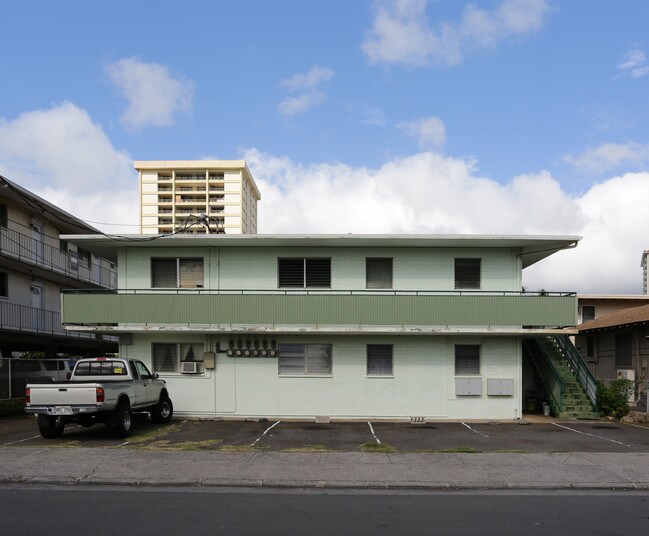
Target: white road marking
[[373, 434], [592, 435], [21, 440], [265, 432], [479, 433]]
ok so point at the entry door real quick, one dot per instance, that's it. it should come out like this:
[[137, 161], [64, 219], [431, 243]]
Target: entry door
[[37, 307]]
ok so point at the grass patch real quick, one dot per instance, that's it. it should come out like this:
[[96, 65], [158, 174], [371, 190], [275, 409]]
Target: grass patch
[[155, 433], [11, 407], [309, 448], [208, 444], [511, 451], [243, 448], [459, 450], [377, 447]]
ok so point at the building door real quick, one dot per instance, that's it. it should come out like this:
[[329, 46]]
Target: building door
[[37, 308]]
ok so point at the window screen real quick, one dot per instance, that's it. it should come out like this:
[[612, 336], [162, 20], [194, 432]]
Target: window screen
[[176, 273], [305, 358], [378, 273], [623, 355], [166, 357], [467, 360], [379, 359], [467, 273], [304, 273], [4, 285], [587, 313]]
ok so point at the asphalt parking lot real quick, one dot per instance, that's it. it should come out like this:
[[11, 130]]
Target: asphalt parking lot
[[546, 436]]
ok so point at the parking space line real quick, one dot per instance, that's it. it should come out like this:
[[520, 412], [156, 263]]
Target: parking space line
[[479, 433], [373, 434], [21, 440], [592, 435], [265, 432]]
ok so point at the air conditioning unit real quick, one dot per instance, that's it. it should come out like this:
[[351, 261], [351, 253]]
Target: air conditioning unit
[[191, 367], [626, 374]]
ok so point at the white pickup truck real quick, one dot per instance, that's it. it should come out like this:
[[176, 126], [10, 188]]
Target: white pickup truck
[[101, 389]]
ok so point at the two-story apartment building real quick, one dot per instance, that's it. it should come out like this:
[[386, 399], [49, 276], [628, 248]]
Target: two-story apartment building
[[35, 264], [344, 327]]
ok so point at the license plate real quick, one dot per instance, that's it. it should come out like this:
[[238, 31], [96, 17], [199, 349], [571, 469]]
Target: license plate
[[60, 410]]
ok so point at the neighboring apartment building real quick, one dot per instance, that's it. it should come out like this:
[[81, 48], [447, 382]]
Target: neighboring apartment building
[[35, 264], [342, 327], [593, 306], [197, 197]]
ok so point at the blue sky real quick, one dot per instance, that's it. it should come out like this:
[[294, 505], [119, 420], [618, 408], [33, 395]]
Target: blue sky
[[503, 116]]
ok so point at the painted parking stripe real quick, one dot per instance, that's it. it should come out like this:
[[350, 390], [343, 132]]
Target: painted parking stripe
[[265, 432], [373, 434], [592, 435], [21, 440], [479, 433]]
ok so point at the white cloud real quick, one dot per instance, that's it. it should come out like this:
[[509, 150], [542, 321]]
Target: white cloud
[[607, 156], [430, 193], [401, 32], [308, 85], [429, 132], [62, 155], [633, 64], [154, 97]]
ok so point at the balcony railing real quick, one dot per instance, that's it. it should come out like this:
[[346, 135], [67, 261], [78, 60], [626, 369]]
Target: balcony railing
[[25, 319], [320, 308], [27, 249]]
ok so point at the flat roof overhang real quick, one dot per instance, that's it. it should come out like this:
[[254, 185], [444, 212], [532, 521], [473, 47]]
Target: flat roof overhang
[[532, 248]]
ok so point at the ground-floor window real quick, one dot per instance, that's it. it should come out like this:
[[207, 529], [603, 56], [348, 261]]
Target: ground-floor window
[[623, 350], [166, 357], [379, 360], [467, 359], [305, 358]]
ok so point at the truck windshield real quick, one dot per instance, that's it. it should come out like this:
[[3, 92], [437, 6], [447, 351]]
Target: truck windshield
[[100, 368]]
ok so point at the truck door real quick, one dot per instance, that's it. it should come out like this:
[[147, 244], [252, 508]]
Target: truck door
[[138, 385], [149, 393]]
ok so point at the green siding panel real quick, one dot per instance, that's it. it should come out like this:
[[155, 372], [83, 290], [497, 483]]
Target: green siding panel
[[319, 309]]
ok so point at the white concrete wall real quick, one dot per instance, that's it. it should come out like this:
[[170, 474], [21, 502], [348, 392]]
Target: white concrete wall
[[423, 383]]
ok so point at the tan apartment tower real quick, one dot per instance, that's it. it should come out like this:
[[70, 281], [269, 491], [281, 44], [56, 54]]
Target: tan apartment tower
[[643, 264], [197, 197]]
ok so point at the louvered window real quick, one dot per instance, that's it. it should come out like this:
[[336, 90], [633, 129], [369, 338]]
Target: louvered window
[[305, 358], [467, 359], [301, 272], [623, 350], [379, 360], [166, 357], [467, 273], [378, 273], [176, 273]]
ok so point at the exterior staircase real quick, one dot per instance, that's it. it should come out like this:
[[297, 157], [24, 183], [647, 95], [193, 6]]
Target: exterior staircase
[[569, 385]]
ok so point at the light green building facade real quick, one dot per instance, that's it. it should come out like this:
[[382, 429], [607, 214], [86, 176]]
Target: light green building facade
[[344, 327]]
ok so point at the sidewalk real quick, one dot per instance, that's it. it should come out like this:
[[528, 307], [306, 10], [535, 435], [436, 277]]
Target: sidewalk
[[439, 471]]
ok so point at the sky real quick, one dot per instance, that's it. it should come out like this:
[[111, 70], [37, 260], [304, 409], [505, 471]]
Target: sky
[[524, 117]]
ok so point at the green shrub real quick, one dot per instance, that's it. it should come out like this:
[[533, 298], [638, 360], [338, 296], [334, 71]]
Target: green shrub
[[11, 407], [613, 401]]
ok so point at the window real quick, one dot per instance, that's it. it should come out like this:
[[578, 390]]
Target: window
[[467, 359], [166, 357], [100, 368], [176, 273], [587, 313], [623, 354], [378, 273], [590, 348], [305, 358], [4, 285], [304, 273], [467, 273], [83, 257], [379, 360], [3, 215], [142, 371]]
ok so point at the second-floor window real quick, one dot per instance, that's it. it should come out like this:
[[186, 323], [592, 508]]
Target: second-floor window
[[176, 273], [587, 313], [3, 215], [4, 285], [378, 273], [300, 272], [467, 273]]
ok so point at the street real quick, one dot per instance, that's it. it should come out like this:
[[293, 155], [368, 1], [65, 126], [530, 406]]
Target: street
[[59, 510]]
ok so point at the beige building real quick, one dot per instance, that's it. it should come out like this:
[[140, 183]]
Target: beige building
[[197, 197]]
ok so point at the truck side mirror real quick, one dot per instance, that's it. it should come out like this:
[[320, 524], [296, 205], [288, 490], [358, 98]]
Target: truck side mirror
[[155, 375]]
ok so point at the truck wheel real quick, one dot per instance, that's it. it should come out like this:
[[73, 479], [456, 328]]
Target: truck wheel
[[123, 420], [163, 410], [50, 427]]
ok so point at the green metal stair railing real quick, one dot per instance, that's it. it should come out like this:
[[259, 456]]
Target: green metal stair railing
[[550, 376], [579, 367]]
